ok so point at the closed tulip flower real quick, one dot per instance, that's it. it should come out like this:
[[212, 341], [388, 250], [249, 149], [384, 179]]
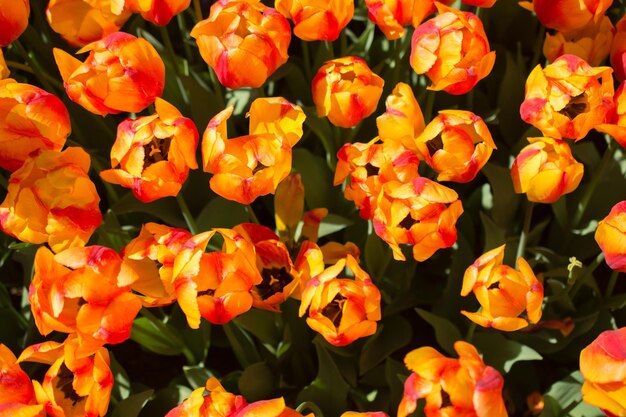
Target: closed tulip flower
[[17, 395], [81, 22], [545, 170], [51, 199], [154, 153], [591, 43], [30, 119], [611, 237], [243, 41], [452, 50], [316, 20], [392, 16], [159, 12], [456, 144], [568, 98], [403, 120], [568, 15], [121, 74], [503, 292], [13, 20], [618, 50], [346, 91]]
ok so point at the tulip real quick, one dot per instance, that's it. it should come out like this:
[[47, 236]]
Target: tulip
[[403, 120], [503, 293], [568, 15], [81, 22], [317, 20], [30, 119], [452, 387], [121, 74], [17, 395], [618, 50], [480, 3], [154, 153], [159, 12], [611, 237], [368, 414], [250, 166], [289, 207], [4, 68], [51, 199], [13, 20], [346, 90], [452, 50], [341, 310], [391, 16], [456, 144], [545, 170], [243, 41], [591, 43], [603, 365]]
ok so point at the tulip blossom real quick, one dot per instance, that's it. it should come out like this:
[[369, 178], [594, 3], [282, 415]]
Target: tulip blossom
[[391, 16], [591, 43], [340, 309], [452, 387], [452, 50], [81, 22], [51, 199], [154, 153], [368, 414], [603, 365], [456, 144], [250, 166], [611, 237], [13, 20], [568, 98], [17, 395], [77, 383], [503, 292], [83, 291], [4, 68], [545, 170], [121, 74], [567, 15], [618, 50], [243, 41], [346, 91], [317, 20], [403, 120], [30, 119], [159, 12]]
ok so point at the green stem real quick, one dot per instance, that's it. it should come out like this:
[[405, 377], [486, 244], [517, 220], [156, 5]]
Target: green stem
[[429, 107], [197, 9], [470, 332], [111, 191], [611, 286], [191, 223], [343, 42], [523, 238], [174, 59], [253, 217], [585, 277], [308, 405], [182, 26], [306, 57], [50, 83]]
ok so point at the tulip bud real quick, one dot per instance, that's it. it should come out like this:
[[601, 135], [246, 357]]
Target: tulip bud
[[568, 15], [13, 20], [159, 12], [317, 20], [591, 43]]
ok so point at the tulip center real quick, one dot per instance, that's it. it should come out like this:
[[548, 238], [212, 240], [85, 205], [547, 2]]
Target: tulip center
[[577, 105], [495, 285], [434, 144], [334, 309], [206, 292], [445, 399], [371, 170], [156, 150], [64, 380], [274, 280], [407, 222]]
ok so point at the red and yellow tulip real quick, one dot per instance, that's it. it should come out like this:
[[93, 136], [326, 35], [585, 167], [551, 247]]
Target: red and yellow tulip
[[4, 68], [618, 50], [13, 20], [159, 12], [591, 43], [611, 237], [567, 15], [316, 20], [403, 120], [391, 16], [17, 395]]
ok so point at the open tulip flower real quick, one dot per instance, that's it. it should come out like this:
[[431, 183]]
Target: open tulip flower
[[83, 291], [567, 98], [154, 153], [13, 20], [121, 74], [456, 144], [30, 119], [452, 387], [567, 15], [316, 20], [603, 365], [159, 12], [244, 42], [503, 293], [611, 237], [51, 199], [346, 91], [402, 120], [77, 383], [17, 395], [452, 50], [250, 166], [340, 309], [81, 22], [545, 170]]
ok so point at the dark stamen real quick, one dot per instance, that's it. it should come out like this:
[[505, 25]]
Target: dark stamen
[[274, 280], [206, 292], [334, 309], [434, 144], [445, 399], [407, 222], [576, 106], [156, 150], [65, 377]]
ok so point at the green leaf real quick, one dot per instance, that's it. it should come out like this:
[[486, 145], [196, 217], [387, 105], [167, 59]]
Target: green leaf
[[446, 332], [502, 353], [316, 178], [494, 235], [393, 333], [377, 255], [131, 406], [258, 382], [121, 386], [242, 344], [197, 375], [151, 336], [333, 223], [220, 212], [262, 324], [164, 209], [505, 200]]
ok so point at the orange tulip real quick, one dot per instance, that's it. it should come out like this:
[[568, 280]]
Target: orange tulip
[[368, 414], [159, 12], [591, 43], [250, 166], [317, 20], [611, 237], [81, 22], [243, 41], [480, 3], [403, 120], [603, 365], [452, 387], [545, 170], [121, 74], [392, 15], [615, 122], [568, 98], [84, 291], [4, 68], [77, 383], [503, 293], [341, 310], [51, 199], [568, 15], [13, 20], [618, 50], [217, 402], [452, 50], [30, 119], [154, 153], [17, 395], [346, 90], [456, 144], [289, 207]]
